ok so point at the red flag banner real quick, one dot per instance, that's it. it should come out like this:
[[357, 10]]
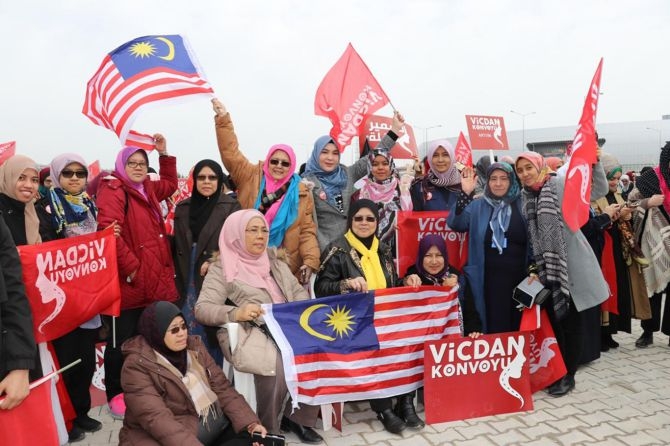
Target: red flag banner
[[584, 153], [184, 188], [7, 149], [463, 151], [141, 140], [487, 132], [347, 96], [93, 170], [546, 361], [68, 281], [375, 129], [413, 226], [494, 367], [143, 71]]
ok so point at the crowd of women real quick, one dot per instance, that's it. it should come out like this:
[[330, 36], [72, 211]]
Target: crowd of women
[[331, 231]]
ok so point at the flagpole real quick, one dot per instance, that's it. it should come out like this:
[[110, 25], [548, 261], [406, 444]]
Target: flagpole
[[53, 374]]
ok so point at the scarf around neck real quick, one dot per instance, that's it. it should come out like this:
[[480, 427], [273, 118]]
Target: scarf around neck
[[502, 206], [370, 262]]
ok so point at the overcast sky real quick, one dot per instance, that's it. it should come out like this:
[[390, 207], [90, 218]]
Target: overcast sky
[[437, 61]]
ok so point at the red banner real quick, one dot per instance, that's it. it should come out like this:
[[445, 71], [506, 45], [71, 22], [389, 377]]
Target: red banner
[[7, 149], [93, 170], [68, 281], [31, 422], [546, 361], [184, 189], [487, 132], [347, 96], [413, 226], [377, 126], [467, 378], [463, 151], [584, 151]]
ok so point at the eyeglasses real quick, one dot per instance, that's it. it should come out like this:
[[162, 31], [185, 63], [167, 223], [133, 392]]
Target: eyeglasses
[[207, 177], [283, 163], [177, 329], [368, 218], [135, 165], [262, 231], [72, 173]]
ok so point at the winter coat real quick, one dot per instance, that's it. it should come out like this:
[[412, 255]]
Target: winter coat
[[14, 215], [340, 262], [17, 343], [143, 246], [300, 238], [207, 243], [211, 308], [440, 199], [159, 408]]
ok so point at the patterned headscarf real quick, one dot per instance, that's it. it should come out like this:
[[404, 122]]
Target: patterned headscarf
[[444, 179], [68, 209]]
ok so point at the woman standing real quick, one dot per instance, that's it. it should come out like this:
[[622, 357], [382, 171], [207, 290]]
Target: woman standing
[[273, 187], [497, 245], [358, 262], [438, 189], [247, 275], [197, 222], [563, 260], [333, 183], [176, 394], [146, 273]]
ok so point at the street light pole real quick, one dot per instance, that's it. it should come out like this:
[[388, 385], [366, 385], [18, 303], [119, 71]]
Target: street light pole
[[660, 135], [523, 126], [425, 135]]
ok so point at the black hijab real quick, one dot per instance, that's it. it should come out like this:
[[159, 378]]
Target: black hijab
[[153, 325], [357, 206], [201, 207]]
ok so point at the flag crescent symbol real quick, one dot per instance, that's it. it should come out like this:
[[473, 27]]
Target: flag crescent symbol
[[170, 54], [304, 322]]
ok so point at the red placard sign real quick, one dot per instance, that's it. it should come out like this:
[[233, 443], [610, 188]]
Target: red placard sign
[[467, 378], [413, 226], [487, 132], [376, 127]]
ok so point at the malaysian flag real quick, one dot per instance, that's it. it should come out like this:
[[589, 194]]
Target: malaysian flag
[[360, 345], [145, 70]]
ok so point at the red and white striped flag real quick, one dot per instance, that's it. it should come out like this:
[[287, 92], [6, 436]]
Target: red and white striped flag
[[360, 345], [145, 70], [140, 140]]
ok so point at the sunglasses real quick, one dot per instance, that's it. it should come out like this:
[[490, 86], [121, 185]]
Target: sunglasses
[[72, 173], [207, 177], [369, 218], [274, 162], [177, 329]]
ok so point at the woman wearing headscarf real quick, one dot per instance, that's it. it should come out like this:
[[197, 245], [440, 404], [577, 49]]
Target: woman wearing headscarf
[[175, 393], [333, 182], [438, 189], [247, 274], [384, 186], [562, 260], [554, 163], [73, 213], [497, 245], [273, 187], [197, 225], [146, 272], [651, 197], [358, 262], [631, 294]]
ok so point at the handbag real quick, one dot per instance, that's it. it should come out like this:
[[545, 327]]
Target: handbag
[[529, 294], [255, 352]]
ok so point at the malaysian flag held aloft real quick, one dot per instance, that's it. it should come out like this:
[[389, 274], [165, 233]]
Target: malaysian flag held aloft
[[145, 70], [361, 345]]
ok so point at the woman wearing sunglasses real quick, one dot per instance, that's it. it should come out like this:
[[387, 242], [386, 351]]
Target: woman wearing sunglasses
[[358, 262], [197, 224], [146, 272], [175, 393], [273, 187]]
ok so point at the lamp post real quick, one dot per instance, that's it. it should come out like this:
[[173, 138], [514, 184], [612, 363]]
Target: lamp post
[[425, 135], [523, 126], [660, 135]]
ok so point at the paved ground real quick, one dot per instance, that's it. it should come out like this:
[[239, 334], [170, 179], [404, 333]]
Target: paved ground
[[621, 399]]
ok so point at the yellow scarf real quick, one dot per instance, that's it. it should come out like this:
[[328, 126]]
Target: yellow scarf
[[372, 266]]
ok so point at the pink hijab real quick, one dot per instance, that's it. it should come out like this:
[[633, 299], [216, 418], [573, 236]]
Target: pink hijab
[[540, 164], [120, 166], [240, 264], [271, 184]]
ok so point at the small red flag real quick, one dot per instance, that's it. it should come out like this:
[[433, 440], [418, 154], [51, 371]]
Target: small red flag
[[577, 196], [7, 149], [347, 96], [141, 140], [93, 170], [463, 151], [546, 361]]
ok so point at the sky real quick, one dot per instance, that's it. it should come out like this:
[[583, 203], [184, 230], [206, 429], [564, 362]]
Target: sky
[[437, 60]]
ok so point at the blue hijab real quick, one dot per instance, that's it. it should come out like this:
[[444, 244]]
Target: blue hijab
[[332, 182], [287, 212], [502, 209]]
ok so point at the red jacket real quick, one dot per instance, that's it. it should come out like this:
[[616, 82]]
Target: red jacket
[[143, 246]]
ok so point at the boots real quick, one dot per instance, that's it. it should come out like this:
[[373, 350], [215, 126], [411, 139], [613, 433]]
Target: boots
[[391, 421], [606, 340], [405, 410]]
